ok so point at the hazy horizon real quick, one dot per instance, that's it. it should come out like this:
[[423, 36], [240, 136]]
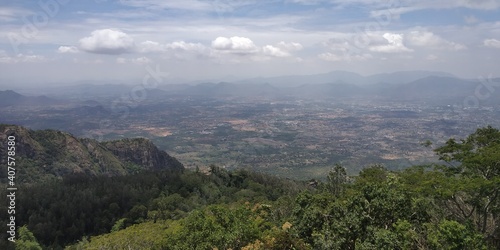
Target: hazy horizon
[[66, 41]]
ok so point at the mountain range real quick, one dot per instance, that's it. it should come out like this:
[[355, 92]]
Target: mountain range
[[403, 85]]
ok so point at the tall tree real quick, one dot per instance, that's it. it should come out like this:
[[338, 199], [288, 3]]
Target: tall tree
[[475, 161], [336, 180]]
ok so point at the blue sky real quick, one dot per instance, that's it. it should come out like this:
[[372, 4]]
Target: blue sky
[[62, 41]]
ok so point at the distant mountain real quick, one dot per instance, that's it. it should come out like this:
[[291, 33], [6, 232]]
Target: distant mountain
[[347, 77], [433, 87], [88, 90], [408, 85], [12, 98], [298, 80], [328, 90], [398, 85], [402, 77], [47, 153]]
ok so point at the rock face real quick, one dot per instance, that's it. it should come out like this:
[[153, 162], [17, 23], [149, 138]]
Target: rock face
[[142, 152], [48, 153]]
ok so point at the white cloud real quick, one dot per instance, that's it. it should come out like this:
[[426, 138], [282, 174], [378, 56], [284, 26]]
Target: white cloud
[[181, 45], [395, 44], [493, 43], [270, 50], [281, 49], [150, 46], [67, 49], [290, 46], [107, 41], [430, 40], [235, 44]]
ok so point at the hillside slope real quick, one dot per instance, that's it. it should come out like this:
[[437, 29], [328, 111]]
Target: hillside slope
[[48, 153]]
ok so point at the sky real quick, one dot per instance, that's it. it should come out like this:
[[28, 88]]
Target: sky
[[65, 41]]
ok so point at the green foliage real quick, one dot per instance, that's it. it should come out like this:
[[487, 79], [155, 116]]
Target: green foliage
[[451, 235], [146, 235], [62, 211], [217, 227], [26, 240], [453, 206], [119, 225]]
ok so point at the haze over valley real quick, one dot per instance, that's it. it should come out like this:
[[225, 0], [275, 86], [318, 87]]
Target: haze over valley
[[293, 126]]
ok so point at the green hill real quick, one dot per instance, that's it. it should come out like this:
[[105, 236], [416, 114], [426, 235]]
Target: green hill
[[42, 154]]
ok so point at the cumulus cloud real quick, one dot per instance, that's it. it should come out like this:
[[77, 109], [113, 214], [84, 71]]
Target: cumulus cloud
[[270, 50], [150, 46], [493, 43], [281, 49], [395, 44], [235, 44], [67, 49], [431, 40], [107, 41]]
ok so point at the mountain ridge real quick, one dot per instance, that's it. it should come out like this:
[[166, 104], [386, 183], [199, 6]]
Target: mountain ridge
[[12, 98], [52, 153]]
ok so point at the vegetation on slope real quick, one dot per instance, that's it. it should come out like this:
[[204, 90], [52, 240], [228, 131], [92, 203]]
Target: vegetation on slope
[[455, 205], [44, 154]]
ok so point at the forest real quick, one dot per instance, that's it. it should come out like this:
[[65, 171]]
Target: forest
[[451, 205]]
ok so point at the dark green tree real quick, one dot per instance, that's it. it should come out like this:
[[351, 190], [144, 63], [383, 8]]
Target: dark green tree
[[336, 180]]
